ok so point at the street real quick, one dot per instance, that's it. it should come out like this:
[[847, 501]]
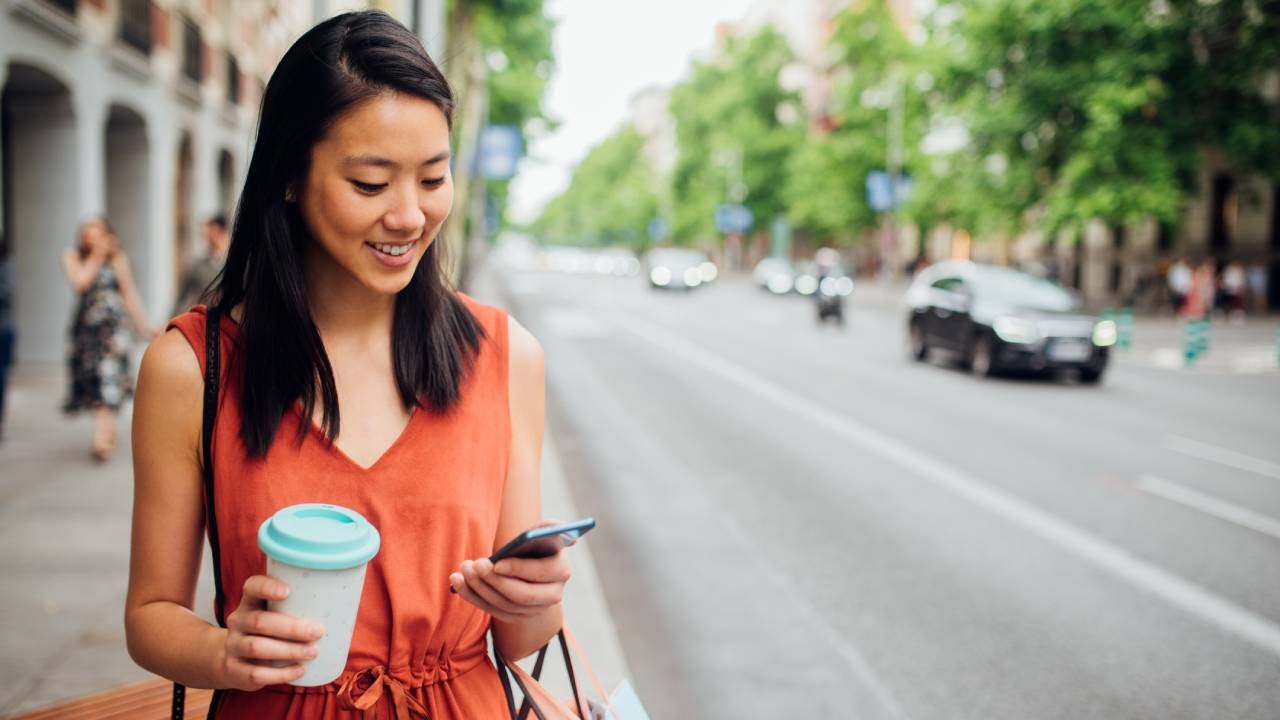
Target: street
[[798, 521]]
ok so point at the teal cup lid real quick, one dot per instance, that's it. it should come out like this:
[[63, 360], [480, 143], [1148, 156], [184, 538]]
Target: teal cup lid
[[318, 536]]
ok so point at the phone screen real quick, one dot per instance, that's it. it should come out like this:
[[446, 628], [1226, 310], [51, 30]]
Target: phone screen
[[544, 541]]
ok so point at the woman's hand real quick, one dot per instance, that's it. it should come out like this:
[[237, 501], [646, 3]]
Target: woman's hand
[[257, 636], [516, 588]]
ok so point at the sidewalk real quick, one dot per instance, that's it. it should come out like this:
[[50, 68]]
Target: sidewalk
[[64, 523]]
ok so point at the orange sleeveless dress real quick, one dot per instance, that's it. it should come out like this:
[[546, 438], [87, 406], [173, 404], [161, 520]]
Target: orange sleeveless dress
[[419, 651]]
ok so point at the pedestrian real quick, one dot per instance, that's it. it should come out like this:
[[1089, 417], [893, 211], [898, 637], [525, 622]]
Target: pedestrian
[[1233, 290], [201, 273], [353, 375], [98, 362], [1257, 282], [1180, 279], [8, 333]]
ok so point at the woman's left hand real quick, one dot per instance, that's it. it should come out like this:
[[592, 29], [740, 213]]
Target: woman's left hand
[[516, 588]]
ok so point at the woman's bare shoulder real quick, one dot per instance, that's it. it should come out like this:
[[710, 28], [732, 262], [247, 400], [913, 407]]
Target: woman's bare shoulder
[[170, 368]]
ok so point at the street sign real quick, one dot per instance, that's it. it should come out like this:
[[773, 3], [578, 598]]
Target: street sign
[[500, 150], [658, 229], [734, 218], [886, 194]]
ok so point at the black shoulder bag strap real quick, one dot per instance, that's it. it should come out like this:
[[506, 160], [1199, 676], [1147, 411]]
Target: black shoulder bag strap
[[212, 375]]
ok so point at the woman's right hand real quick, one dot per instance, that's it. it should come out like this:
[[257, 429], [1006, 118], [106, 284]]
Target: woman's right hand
[[256, 636]]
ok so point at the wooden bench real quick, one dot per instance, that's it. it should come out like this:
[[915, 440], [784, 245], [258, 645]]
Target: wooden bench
[[146, 700]]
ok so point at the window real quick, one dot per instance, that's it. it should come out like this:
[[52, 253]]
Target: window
[[135, 25], [192, 67], [950, 284], [66, 6], [233, 80]]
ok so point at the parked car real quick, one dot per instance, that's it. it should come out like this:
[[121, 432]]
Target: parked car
[[997, 318], [774, 274], [678, 268]]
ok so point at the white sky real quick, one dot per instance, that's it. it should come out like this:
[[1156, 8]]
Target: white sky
[[606, 50]]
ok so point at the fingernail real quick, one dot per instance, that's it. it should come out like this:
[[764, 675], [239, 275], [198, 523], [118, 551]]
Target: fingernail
[[453, 590], [315, 630], [313, 651]]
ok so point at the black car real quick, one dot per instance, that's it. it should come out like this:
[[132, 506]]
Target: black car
[[996, 319]]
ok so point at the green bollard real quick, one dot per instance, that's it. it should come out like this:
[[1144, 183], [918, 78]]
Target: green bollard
[[1203, 348], [1190, 342], [1124, 325]]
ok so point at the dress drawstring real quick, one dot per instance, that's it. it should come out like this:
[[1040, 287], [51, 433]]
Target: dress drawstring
[[371, 684]]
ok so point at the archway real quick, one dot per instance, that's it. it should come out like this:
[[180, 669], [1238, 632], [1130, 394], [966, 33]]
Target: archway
[[128, 190], [182, 209], [38, 127], [226, 182]]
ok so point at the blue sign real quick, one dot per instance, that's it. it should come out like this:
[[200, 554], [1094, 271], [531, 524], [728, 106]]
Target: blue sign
[[734, 218], [500, 150], [658, 229], [884, 193]]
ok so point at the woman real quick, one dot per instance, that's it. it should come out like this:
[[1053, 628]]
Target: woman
[[99, 361], [351, 375]]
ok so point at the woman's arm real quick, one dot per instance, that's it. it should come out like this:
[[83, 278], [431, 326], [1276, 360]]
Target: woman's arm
[[164, 635], [132, 300], [522, 595], [80, 272]]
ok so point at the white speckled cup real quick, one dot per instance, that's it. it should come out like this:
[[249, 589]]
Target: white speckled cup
[[321, 552]]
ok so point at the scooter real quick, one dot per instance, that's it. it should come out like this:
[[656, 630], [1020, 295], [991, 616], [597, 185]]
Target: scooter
[[830, 303]]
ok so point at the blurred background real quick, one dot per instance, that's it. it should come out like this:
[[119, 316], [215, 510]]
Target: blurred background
[[918, 358]]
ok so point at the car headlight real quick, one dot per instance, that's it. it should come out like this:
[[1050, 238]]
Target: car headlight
[[708, 271], [1016, 330], [1105, 333], [660, 276], [806, 284], [693, 277], [845, 285], [780, 284]]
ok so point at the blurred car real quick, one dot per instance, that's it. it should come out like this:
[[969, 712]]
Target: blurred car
[[679, 268], [809, 278], [998, 319], [618, 262], [775, 275]]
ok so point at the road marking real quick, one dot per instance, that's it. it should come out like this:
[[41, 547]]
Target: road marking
[[1220, 509], [1183, 594], [1223, 456]]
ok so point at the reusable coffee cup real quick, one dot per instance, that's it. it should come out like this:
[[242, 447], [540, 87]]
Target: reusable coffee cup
[[321, 551]]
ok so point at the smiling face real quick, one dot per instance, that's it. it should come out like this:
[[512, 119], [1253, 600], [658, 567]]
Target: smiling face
[[376, 193]]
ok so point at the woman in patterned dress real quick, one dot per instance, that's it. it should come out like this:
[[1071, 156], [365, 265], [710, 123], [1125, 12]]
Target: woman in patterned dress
[[99, 359]]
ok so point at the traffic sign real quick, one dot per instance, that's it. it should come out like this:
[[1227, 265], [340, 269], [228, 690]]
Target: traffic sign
[[886, 194], [734, 218], [658, 229], [500, 150]]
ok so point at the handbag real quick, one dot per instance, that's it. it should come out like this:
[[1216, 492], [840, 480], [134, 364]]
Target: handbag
[[212, 376], [544, 705]]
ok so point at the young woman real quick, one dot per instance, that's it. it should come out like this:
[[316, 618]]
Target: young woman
[[98, 363], [352, 375]]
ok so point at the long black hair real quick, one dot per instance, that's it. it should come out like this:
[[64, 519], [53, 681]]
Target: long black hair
[[342, 61]]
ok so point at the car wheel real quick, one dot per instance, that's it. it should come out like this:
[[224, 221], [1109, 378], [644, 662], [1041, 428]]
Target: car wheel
[[981, 360], [918, 349], [1090, 376]]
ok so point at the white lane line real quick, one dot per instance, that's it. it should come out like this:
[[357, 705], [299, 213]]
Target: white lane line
[[1187, 596], [1220, 509], [1223, 456]]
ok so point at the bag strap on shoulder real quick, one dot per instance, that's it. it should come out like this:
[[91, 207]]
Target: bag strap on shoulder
[[212, 378]]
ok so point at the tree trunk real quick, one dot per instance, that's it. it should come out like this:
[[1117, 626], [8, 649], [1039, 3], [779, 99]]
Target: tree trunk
[[467, 75]]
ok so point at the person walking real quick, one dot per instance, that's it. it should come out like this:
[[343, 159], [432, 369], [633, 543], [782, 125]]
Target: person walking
[[201, 273], [98, 361], [351, 374], [1233, 290], [1180, 280], [8, 332]]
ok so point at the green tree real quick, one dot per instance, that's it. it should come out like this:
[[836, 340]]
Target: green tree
[[727, 126], [610, 198]]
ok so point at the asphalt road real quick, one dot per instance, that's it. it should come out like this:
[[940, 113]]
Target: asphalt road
[[797, 521]]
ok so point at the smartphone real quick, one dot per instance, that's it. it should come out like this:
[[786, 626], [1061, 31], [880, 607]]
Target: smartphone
[[544, 541]]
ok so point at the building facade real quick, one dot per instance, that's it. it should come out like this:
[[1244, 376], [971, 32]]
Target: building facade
[[142, 111]]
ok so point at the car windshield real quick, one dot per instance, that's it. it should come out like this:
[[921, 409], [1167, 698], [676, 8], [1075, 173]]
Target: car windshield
[[1022, 290], [678, 258]]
